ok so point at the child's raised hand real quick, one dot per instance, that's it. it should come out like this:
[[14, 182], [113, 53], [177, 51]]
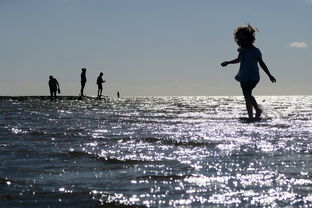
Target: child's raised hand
[[272, 79], [224, 63]]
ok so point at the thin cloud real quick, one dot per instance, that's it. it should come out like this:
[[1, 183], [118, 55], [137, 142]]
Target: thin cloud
[[308, 1], [298, 45]]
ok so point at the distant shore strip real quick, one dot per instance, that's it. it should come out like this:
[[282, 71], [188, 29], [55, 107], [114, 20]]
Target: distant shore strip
[[26, 98]]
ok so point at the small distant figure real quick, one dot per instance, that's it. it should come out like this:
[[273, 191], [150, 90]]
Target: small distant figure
[[118, 94], [99, 83], [54, 87], [83, 81], [248, 75]]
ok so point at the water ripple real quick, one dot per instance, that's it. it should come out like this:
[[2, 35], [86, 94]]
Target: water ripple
[[156, 152]]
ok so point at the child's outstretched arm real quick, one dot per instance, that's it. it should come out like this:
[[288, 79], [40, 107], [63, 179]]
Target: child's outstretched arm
[[266, 70], [235, 61]]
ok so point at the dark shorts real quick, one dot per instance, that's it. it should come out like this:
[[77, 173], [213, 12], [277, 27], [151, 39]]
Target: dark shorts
[[248, 86]]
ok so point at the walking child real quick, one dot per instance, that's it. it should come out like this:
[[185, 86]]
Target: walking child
[[99, 83], [248, 75]]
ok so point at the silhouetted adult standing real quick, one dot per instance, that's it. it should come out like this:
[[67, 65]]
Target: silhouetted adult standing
[[54, 87], [83, 80], [99, 83]]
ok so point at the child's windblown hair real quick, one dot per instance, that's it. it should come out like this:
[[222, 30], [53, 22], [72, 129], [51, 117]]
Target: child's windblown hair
[[246, 33]]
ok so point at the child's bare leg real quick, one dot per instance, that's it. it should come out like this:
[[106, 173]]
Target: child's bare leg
[[251, 102], [249, 107], [256, 106]]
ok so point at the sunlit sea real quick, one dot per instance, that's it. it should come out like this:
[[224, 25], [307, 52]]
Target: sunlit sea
[[156, 152]]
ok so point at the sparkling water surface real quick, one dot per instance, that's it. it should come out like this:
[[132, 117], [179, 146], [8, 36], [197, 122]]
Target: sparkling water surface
[[156, 152]]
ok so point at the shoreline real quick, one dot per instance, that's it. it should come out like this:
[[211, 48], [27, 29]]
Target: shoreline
[[39, 97], [104, 97]]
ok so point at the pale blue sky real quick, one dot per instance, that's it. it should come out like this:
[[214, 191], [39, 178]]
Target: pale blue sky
[[151, 47]]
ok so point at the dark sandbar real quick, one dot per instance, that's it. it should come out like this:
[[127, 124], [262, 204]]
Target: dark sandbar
[[26, 98]]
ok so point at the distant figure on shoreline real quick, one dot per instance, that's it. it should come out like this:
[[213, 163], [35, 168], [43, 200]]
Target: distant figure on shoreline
[[99, 83], [83, 81], [248, 75], [118, 94], [54, 87]]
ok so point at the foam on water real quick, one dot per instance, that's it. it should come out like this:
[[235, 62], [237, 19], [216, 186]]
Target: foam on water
[[156, 152]]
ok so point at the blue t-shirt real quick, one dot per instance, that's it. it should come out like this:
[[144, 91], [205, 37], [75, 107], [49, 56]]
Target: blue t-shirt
[[248, 69]]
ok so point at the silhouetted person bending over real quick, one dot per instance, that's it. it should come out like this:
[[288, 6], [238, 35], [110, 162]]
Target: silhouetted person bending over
[[99, 83], [83, 81], [54, 87]]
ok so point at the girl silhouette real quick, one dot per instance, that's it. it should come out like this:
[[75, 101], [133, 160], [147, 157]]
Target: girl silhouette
[[248, 75]]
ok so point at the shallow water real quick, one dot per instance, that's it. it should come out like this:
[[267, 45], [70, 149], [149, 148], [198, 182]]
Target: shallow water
[[156, 152]]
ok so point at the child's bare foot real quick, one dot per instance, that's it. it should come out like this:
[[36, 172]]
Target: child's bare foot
[[258, 113]]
